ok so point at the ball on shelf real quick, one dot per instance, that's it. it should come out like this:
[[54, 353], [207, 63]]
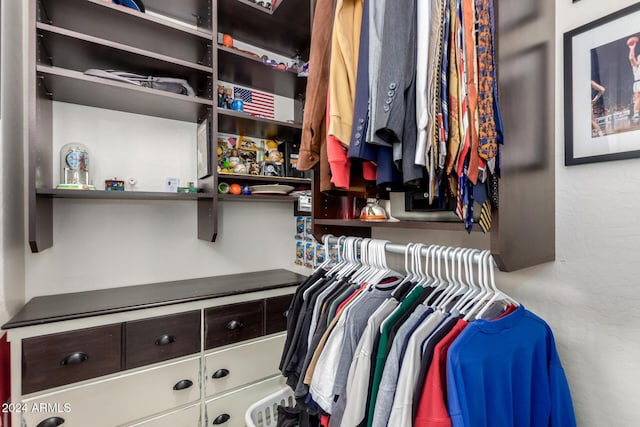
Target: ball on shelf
[[235, 189]]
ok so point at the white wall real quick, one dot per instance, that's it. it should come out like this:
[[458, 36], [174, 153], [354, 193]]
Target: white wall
[[590, 294]]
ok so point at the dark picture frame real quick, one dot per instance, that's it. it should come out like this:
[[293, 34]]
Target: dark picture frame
[[602, 89], [204, 149]]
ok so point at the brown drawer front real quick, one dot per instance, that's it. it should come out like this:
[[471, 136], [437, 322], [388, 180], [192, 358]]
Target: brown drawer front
[[276, 313], [64, 358], [229, 324], [161, 338]]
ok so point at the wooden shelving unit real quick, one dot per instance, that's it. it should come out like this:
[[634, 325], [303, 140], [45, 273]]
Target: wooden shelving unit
[[175, 39], [67, 37], [240, 123], [247, 70], [78, 88], [285, 30]]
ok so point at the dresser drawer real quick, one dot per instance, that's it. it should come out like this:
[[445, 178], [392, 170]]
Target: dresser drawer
[[233, 323], [232, 367], [276, 313], [115, 401], [58, 359], [229, 409], [187, 417], [161, 338]]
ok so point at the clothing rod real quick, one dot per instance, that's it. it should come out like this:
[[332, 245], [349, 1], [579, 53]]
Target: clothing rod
[[397, 248]]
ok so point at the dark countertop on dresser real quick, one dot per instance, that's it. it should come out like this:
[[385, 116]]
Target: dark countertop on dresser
[[54, 308]]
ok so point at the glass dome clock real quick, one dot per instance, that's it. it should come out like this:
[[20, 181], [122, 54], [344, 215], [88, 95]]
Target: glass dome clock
[[75, 168]]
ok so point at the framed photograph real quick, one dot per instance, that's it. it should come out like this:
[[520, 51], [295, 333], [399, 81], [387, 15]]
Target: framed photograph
[[204, 149], [602, 89]]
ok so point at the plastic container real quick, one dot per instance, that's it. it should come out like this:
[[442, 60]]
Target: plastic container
[[264, 413]]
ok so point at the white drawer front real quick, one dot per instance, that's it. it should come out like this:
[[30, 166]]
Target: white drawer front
[[187, 417], [245, 363], [232, 406], [119, 400]]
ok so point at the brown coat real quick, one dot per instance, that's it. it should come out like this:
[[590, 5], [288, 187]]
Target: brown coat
[[314, 122]]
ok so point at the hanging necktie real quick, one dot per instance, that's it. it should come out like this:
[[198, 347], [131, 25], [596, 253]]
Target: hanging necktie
[[487, 131], [443, 116], [485, 216], [469, 30], [453, 93]]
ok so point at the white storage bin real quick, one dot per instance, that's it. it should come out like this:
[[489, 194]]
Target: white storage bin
[[264, 413]]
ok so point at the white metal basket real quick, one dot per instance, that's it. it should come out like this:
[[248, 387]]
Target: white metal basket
[[264, 413]]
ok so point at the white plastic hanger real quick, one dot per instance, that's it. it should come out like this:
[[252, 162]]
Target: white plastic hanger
[[483, 280], [458, 287], [471, 289], [327, 259], [498, 295]]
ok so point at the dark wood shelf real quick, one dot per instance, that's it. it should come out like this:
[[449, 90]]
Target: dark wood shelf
[[256, 198], [182, 11], [421, 225], [285, 30], [120, 195], [264, 179], [77, 88], [78, 51], [127, 26], [239, 123], [247, 70]]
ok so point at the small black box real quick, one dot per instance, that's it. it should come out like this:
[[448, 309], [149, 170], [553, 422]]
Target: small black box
[[291, 150]]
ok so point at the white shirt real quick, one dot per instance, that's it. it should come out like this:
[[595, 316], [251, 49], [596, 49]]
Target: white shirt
[[422, 63]]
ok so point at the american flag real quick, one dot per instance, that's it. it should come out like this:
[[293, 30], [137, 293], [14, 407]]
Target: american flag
[[256, 103]]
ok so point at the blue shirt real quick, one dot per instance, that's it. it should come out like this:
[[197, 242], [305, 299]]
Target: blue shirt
[[507, 373]]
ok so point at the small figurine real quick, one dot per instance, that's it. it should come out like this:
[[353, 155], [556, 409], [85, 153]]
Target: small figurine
[[254, 169], [228, 92], [222, 97], [274, 155]]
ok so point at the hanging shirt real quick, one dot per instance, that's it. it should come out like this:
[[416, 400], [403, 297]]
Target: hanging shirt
[[339, 163], [432, 410], [293, 313], [533, 388], [427, 356], [376, 26], [401, 411], [345, 43], [381, 350], [389, 380], [423, 13], [355, 324], [351, 407]]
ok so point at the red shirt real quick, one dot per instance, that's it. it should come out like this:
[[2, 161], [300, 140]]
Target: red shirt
[[432, 409]]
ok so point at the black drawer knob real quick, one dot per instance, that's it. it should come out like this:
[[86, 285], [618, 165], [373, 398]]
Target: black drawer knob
[[51, 422], [234, 325], [183, 385], [220, 373], [74, 359], [165, 340], [221, 419]]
